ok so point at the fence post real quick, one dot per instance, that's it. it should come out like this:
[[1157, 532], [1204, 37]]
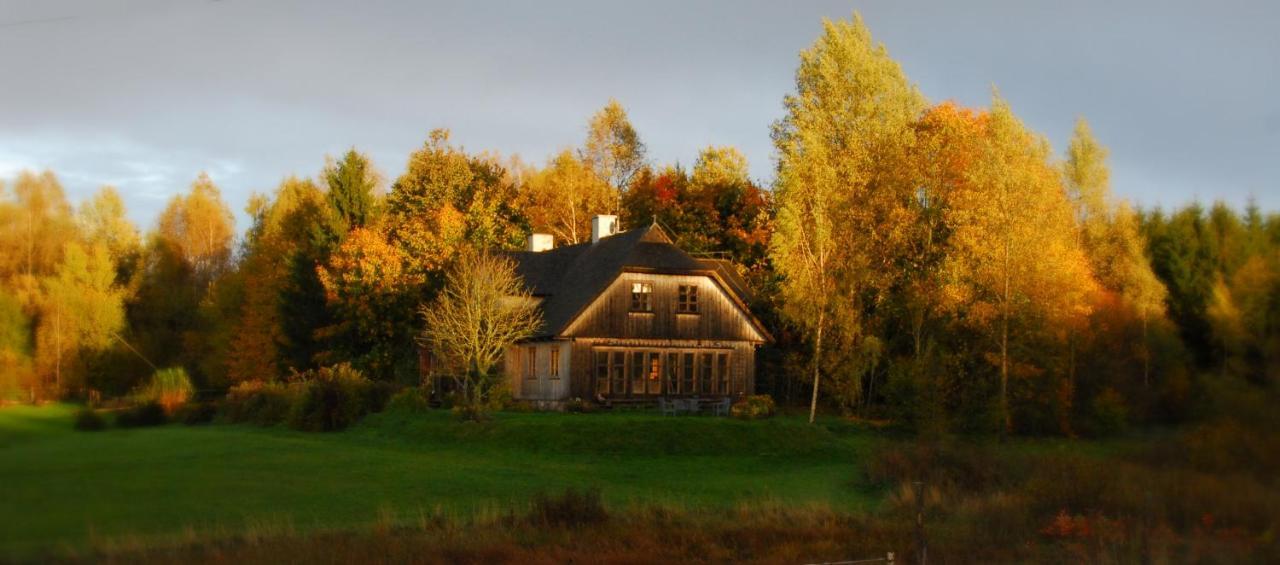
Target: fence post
[[922, 546]]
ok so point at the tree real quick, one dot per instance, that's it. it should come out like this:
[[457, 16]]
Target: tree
[[1017, 258], [102, 220], [201, 229], [83, 310], [846, 126], [275, 326], [482, 309], [372, 286], [351, 183], [613, 148], [561, 198]]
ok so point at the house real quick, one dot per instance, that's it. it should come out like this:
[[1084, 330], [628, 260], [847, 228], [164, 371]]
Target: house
[[629, 316]]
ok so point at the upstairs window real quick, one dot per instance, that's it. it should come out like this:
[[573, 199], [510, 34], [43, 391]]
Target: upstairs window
[[641, 297], [687, 301]]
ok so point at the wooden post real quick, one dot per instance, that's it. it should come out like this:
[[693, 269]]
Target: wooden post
[[922, 546]]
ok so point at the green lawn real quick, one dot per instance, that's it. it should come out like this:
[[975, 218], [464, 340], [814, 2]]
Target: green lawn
[[63, 488]]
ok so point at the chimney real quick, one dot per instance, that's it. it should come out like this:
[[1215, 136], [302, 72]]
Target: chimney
[[539, 242], [603, 225]]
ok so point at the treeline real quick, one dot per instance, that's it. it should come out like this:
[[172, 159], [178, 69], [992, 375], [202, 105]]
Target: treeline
[[332, 270], [934, 264]]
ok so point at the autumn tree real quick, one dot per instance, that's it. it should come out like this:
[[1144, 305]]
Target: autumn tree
[[200, 229], [373, 287], [561, 198], [846, 126], [82, 310], [269, 315], [613, 149], [482, 309], [1018, 263]]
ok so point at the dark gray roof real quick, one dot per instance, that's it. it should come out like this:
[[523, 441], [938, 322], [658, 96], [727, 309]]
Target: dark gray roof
[[569, 278]]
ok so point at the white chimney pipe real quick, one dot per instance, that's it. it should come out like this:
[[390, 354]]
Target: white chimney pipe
[[539, 242], [603, 225]]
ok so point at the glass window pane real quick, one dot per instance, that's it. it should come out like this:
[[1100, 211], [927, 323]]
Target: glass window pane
[[686, 368], [655, 372], [618, 378], [723, 368], [637, 372], [602, 372], [704, 374]]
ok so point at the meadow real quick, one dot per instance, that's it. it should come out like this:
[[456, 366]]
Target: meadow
[[69, 489], [426, 487]]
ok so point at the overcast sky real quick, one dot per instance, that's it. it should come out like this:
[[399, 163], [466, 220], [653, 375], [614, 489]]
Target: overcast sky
[[145, 94]]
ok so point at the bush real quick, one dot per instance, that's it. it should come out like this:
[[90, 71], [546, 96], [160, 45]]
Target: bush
[[333, 398], [195, 414], [257, 402], [147, 414], [89, 420], [580, 406], [408, 401], [753, 407], [573, 508], [170, 388], [471, 412]]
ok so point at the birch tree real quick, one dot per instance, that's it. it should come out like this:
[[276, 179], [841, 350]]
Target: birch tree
[[839, 211], [1017, 255]]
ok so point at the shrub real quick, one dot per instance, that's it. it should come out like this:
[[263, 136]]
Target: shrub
[[333, 398], [88, 420], [195, 413], [471, 412], [257, 402], [408, 401], [573, 508], [754, 407], [580, 406], [146, 414], [170, 388]]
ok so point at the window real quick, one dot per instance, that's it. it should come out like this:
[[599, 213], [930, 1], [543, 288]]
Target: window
[[673, 373], [687, 302], [722, 370], [655, 372], [602, 372], [531, 364], [640, 297], [555, 362], [705, 370], [617, 376], [686, 374], [637, 372]]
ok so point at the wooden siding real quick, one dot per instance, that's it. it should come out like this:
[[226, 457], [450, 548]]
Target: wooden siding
[[541, 384], [610, 315]]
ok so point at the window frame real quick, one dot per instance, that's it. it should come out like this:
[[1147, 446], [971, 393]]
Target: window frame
[[641, 297], [687, 299], [531, 363], [554, 368]]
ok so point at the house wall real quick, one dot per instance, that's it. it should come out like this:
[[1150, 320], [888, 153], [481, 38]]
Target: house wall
[[742, 356], [538, 382], [611, 316]]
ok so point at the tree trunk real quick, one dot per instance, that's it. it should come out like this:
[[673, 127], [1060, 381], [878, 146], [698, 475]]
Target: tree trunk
[[817, 361], [1005, 421]]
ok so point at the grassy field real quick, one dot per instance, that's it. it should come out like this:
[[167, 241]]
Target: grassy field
[[63, 489], [424, 487]]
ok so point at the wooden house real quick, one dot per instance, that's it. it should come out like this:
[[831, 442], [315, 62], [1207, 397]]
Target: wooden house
[[629, 316]]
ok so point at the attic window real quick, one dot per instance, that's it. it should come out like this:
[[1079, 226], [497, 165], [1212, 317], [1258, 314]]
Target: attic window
[[641, 294], [687, 302]]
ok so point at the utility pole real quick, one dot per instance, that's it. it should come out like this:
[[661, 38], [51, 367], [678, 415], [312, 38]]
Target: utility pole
[[922, 546]]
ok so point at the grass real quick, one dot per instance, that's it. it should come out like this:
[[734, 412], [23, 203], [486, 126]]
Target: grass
[[67, 490]]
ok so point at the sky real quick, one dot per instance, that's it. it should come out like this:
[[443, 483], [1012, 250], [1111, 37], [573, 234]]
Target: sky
[[146, 94]]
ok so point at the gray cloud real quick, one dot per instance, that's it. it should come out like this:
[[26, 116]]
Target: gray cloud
[[144, 94]]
